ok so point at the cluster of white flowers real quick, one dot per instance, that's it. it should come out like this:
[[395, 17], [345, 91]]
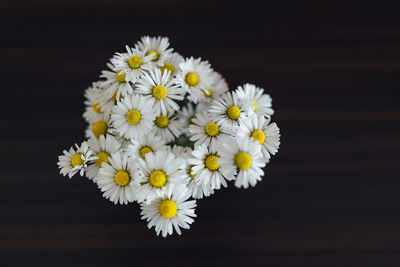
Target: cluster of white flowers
[[164, 129]]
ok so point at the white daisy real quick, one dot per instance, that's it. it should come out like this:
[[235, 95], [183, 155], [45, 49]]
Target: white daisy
[[119, 179], [161, 90], [206, 167], [115, 86], [195, 76], [187, 113], [102, 148], [180, 152], [171, 64], [99, 127], [261, 103], [167, 126], [133, 116], [133, 64], [75, 160], [95, 107], [242, 154], [159, 169], [145, 144], [229, 111], [171, 210], [267, 135], [155, 46], [217, 88]]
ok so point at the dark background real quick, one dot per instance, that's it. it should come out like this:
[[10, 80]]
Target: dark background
[[330, 197]]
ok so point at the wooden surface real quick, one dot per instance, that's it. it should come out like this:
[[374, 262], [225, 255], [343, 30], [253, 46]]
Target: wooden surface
[[331, 197]]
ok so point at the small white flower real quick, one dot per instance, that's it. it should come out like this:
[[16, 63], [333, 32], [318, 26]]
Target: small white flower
[[217, 88], [195, 76], [207, 169], [167, 127], [259, 128], [171, 210], [187, 113], [115, 86], [119, 179], [205, 130], [171, 64], [94, 106], [242, 154], [103, 148], [157, 47], [229, 111], [133, 64], [160, 89], [74, 161], [133, 116], [145, 144], [261, 103], [101, 126], [159, 169]]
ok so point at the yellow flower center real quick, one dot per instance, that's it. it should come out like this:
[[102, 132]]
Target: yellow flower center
[[258, 135], [114, 97], [99, 128], [135, 62], [243, 160], [102, 157], [233, 112], [120, 77], [144, 150], [77, 160], [133, 117], [212, 162], [157, 179], [167, 66], [159, 91], [207, 93], [192, 79], [122, 178], [162, 121], [212, 129], [156, 55], [254, 104], [96, 107], [190, 172], [168, 208]]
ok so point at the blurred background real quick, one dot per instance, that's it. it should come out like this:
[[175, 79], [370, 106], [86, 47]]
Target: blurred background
[[329, 198]]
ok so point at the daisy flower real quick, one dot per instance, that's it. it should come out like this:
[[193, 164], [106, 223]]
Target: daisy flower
[[242, 154], [180, 152], [161, 90], [206, 167], [119, 179], [187, 113], [159, 169], [267, 135], [167, 127], [95, 107], [171, 64], [115, 86], [133, 64], [261, 103], [229, 111], [102, 148], [133, 116], [145, 144], [99, 127], [75, 160], [171, 210], [157, 47], [217, 88], [195, 76], [205, 130]]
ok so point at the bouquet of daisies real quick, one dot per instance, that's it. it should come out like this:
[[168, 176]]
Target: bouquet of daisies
[[164, 129]]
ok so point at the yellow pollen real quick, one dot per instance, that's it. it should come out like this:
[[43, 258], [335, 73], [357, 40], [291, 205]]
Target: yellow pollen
[[77, 160], [157, 55], [96, 107], [212, 162], [243, 160], [254, 104], [212, 129], [258, 135], [207, 93], [168, 208], [190, 172], [162, 121], [159, 91], [135, 62], [120, 77], [144, 150], [192, 79], [133, 117], [122, 178], [233, 112], [99, 128], [157, 179], [167, 66], [103, 157]]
